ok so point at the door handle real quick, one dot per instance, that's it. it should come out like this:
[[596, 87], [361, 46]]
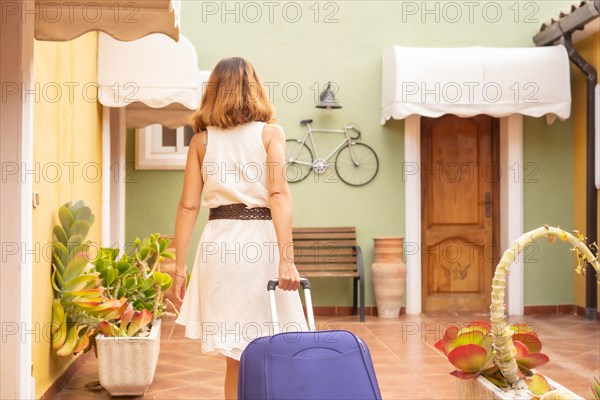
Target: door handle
[[488, 204]]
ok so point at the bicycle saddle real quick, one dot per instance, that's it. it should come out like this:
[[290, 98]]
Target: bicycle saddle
[[306, 121]]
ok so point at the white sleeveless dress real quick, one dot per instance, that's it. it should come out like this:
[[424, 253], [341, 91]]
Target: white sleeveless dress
[[226, 304]]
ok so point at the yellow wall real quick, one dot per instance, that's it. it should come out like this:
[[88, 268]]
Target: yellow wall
[[67, 129], [589, 48]]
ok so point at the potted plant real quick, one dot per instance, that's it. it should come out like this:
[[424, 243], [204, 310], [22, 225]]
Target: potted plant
[[497, 361], [110, 304], [128, 348], [80, 303]]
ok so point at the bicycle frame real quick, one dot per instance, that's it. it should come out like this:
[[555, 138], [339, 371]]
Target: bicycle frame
[[308, 134]]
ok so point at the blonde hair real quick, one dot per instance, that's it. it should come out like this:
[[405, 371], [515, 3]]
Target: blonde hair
[[234, 95]]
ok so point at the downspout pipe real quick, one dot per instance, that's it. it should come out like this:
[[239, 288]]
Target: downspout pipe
[[591, 279]]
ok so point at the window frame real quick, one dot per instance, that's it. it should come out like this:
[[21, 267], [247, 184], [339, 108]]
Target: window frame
[[150, 154]]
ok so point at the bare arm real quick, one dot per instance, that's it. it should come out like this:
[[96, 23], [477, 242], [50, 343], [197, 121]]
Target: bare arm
[[187, 212], [280, 203]]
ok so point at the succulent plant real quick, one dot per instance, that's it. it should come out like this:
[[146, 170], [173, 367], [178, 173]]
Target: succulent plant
[[502, 354], [117, 297], [137, 276], [79, 303], [469, 349]]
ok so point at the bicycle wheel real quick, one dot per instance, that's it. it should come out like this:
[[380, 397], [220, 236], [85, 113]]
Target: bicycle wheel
[[360, 172], [298, 160]]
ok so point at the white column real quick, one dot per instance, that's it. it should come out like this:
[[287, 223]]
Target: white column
[[512, 205], [411, 176], [16, 157], [106, 177], [118, 176]]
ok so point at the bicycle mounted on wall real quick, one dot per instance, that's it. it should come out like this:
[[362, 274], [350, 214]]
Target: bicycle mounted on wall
[[356, 164]]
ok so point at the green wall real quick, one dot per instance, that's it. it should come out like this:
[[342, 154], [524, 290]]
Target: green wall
[[548, 182], [346, 48]]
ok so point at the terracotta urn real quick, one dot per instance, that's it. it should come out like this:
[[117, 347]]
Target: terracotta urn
[[388, 272]]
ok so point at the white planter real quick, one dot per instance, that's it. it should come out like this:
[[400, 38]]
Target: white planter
[[482, 389], [126, 365]]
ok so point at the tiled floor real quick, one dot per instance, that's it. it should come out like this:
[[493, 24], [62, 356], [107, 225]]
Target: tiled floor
[[406, 363]]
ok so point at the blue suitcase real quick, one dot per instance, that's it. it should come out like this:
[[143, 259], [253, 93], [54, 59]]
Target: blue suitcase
[[333, 364]]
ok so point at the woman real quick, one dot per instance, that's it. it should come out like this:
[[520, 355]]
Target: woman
[[235, 167]]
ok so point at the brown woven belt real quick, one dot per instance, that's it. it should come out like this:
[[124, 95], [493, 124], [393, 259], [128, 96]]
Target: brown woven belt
[[239, 211]]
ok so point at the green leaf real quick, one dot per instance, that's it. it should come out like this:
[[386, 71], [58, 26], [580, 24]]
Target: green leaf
[[168, 254], [83, 214], [58, 315], [75, 205], [57, 281], [74, 244], [82, 282], [164, 243], [111, 276], [66, 218], [61, 251], [162, 279], [59, 234], [147, 284], [57, 262], [102, 264], [80, 228], [123, 267], [75, 268], [129, 283], [77, 250], [71, 341]]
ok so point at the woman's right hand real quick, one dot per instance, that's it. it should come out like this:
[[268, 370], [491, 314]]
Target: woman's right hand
[[289, 278], [179, 285]]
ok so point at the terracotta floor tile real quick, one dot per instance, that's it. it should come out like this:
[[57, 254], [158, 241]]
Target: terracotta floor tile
[[406, 363]]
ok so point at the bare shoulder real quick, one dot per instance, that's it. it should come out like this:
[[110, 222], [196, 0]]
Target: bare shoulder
[[272, 132]]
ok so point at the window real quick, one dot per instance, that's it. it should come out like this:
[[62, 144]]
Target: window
[[159, 147]]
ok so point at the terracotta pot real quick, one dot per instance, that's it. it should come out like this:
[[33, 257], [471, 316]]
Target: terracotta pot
[[388, 272]]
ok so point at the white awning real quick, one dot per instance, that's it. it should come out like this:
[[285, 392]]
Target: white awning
[[139, 115], [61, 20], [475, 80], [155, 78]]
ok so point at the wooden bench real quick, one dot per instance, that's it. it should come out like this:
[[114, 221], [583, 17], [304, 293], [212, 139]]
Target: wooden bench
[[331, 252]]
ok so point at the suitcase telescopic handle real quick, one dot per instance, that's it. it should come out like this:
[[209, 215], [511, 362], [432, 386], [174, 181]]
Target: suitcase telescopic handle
[[307, 299]]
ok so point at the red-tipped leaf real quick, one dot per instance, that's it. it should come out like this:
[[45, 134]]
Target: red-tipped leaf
[[469, 358], [533, 360]]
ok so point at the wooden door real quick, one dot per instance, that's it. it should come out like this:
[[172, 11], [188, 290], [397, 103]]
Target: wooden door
[[460, 180]]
